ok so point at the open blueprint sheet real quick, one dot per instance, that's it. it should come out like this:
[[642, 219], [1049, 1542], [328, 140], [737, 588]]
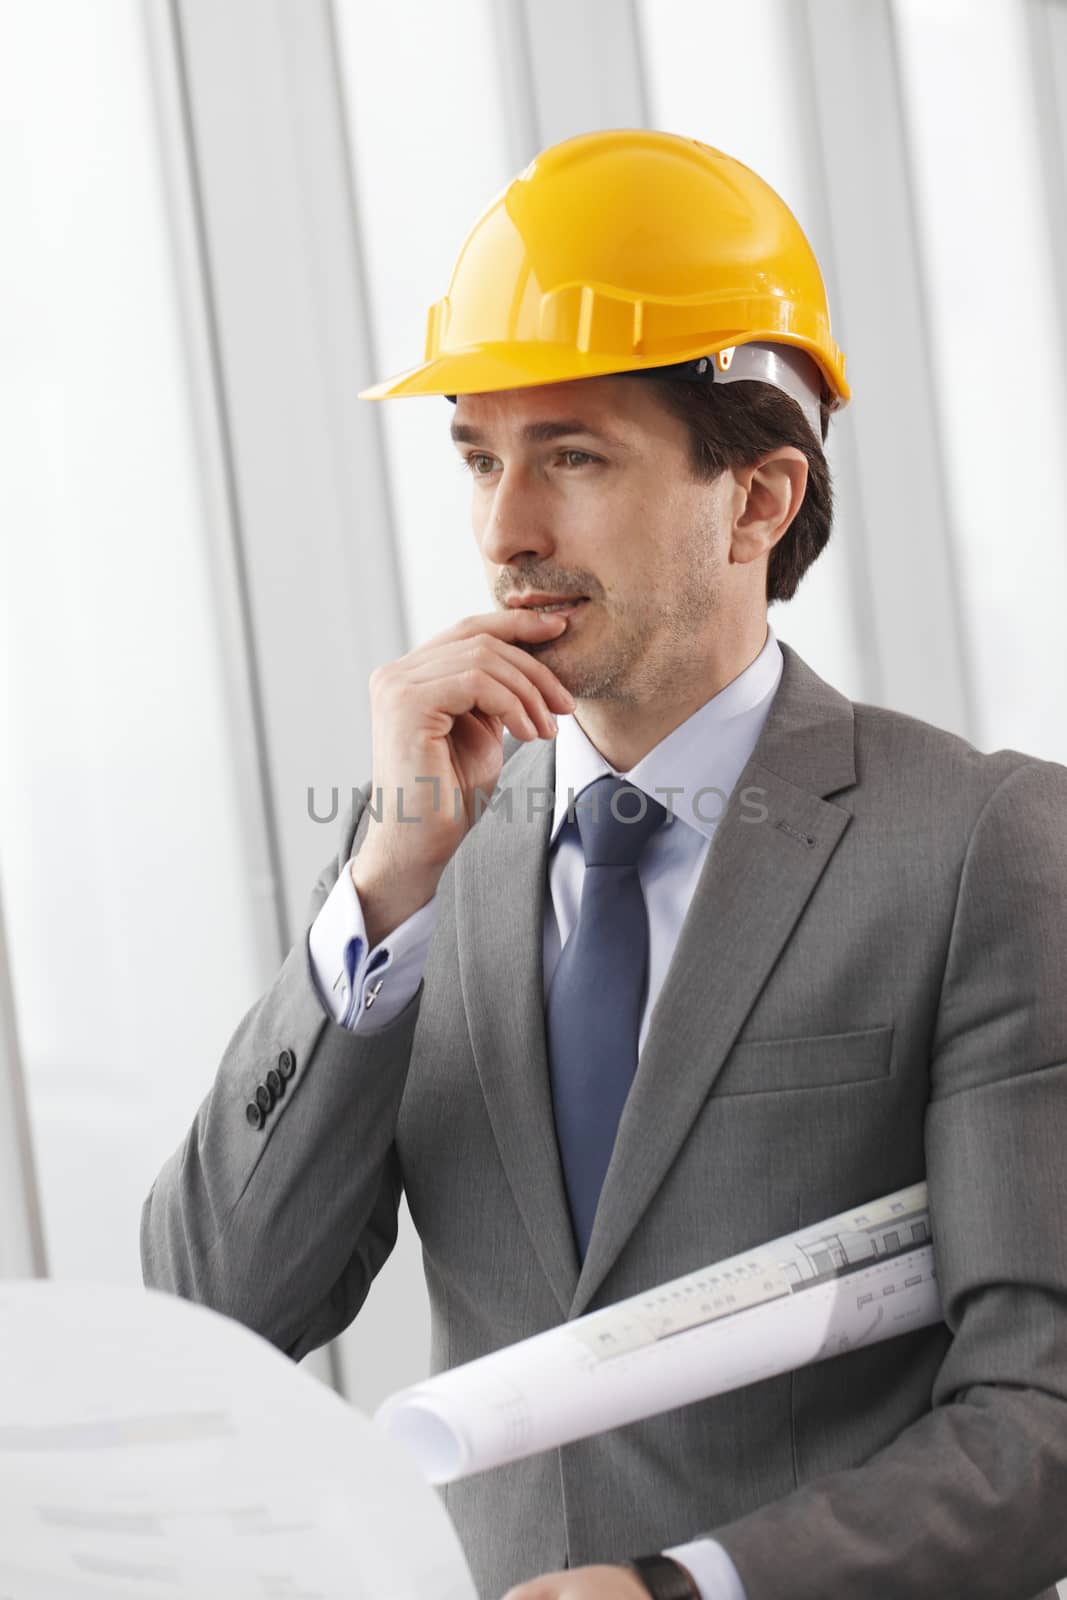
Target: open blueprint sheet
[[149, 1447], [854, 1279]]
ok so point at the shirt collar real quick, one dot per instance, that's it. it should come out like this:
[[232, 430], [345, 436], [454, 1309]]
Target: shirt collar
[[708, 749]]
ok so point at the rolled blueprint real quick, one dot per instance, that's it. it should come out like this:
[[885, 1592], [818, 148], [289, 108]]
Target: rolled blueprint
[[852, 1280]]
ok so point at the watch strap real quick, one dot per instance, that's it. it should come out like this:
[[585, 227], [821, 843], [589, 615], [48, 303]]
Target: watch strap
[[664, 1578]]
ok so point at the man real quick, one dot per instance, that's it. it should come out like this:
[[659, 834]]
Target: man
[[727, 955]]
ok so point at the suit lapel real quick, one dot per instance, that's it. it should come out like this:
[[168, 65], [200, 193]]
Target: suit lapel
[[500, 892], [768, 853]]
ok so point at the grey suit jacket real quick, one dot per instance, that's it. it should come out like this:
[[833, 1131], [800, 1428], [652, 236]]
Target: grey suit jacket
[[869, 989]]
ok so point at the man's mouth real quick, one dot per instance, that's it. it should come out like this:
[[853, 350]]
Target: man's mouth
[[549, 606]]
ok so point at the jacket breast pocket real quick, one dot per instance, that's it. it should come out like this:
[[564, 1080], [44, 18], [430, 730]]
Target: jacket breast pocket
[[811, 1061]]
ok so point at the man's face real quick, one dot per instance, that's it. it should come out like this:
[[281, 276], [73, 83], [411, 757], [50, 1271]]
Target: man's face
[[599, 502]]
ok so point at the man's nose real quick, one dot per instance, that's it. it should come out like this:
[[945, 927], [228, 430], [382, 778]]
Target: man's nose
[[518, 521]]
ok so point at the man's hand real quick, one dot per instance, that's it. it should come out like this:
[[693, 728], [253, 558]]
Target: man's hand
[[582, 1583], [438, 716]]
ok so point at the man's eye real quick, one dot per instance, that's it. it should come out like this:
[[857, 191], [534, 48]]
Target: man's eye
[[470, 462]]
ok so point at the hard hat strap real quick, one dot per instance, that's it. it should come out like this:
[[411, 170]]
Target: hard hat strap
[[780, 365]]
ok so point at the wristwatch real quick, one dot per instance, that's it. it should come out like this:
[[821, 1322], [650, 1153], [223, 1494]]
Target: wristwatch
[[664, 1578]]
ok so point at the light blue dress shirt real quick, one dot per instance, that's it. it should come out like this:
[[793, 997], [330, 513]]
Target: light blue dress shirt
[[692, 771]]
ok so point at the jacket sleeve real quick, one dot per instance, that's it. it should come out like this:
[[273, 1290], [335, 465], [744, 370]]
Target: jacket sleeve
[[970, 1499], [279, 1211]]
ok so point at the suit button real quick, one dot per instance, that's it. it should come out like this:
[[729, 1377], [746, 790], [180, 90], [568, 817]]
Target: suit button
[[287, 1063], [264, 1098], [254, 1114], [275, 1083]]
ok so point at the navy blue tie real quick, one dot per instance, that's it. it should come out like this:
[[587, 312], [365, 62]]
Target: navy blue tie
[[593, 1014]]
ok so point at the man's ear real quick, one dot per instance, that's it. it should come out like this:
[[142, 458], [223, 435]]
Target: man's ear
[[771, 492]]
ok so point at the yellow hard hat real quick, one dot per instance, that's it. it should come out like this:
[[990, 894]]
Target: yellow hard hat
[[630, 250]]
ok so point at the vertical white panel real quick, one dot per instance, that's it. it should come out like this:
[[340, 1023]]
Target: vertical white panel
[[996, 335], [429, 152], [583, 66], [131, 940], [311, 525], [22, 1252]]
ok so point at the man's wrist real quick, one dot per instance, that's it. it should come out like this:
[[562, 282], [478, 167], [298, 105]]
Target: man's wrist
[[386, 900], [664, 1578]]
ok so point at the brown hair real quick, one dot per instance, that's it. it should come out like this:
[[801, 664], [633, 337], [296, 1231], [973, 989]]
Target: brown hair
[[735, 425]]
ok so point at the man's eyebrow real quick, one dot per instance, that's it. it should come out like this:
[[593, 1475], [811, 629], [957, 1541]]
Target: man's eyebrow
[[537, 432]]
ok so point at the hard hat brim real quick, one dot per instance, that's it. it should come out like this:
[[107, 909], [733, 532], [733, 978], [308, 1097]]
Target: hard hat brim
[[487, 369]]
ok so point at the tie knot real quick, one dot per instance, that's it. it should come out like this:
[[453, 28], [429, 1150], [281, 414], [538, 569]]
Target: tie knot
[[615, 820]]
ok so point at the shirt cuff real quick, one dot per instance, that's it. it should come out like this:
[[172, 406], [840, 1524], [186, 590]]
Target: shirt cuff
[[713, 1572], [364, 990]]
